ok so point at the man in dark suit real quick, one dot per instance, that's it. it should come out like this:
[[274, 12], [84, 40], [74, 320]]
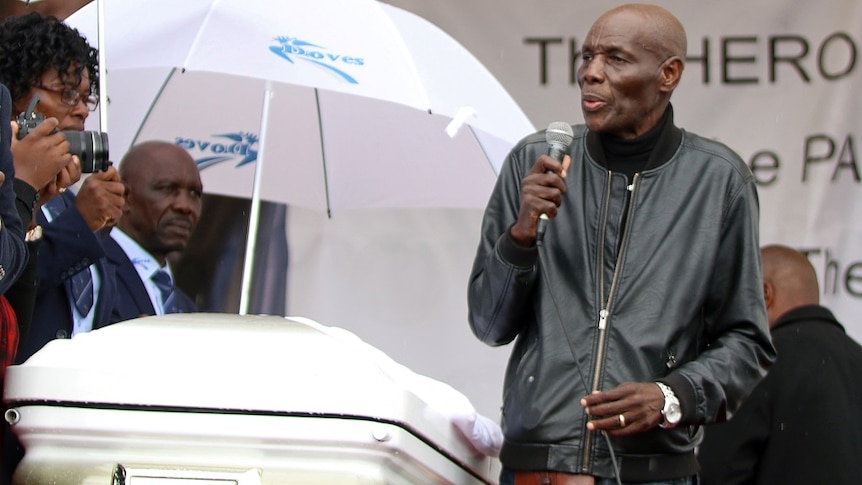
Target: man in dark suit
[[801, 424], [13, 253], [163, 205]]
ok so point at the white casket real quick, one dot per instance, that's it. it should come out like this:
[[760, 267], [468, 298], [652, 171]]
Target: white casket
[[213, 399]]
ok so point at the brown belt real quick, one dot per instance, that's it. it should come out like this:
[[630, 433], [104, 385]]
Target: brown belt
[[552, 478]]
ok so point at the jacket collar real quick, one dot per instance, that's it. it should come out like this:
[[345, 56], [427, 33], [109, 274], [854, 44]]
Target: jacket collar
[[666, 147], [807, 313]]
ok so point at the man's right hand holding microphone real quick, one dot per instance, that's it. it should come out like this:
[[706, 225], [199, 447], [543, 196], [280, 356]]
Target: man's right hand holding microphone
[[543, 187]]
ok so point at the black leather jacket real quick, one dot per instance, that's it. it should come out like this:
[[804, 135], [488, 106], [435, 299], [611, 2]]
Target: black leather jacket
[[678, 299]]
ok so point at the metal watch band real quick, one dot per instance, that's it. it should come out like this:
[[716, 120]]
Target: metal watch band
[[671, 413]]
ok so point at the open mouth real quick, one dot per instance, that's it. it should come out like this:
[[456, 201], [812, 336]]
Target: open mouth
[[592, 103]]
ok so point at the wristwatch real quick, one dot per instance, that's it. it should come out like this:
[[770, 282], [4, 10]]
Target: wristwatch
[[671, 413]]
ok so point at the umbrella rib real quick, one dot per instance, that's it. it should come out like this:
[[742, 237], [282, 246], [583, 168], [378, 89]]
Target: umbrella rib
[[323, 154], [194, 46], [482, 148], [152, 105]]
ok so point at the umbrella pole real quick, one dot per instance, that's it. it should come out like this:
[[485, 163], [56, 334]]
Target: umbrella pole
[[254, 214], [103, 66]]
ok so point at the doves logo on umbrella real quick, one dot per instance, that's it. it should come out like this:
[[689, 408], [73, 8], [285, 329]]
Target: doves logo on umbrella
[[239, 146], [291, 48]]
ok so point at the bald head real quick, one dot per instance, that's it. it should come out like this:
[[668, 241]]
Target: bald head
[[789, 281], [142, 157], [163, 197], [661, 32]]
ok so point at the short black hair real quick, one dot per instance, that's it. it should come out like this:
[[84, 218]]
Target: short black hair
[[32, 44]]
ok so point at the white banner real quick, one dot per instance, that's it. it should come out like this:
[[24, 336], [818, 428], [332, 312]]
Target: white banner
[[778, 81]]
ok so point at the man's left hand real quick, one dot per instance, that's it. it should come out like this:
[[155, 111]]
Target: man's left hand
[[631, 407]]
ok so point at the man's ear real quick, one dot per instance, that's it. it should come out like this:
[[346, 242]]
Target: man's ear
[[671, 73], [768, 294], [127, 194]]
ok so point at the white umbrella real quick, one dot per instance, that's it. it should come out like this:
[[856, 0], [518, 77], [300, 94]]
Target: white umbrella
[[348, 101]]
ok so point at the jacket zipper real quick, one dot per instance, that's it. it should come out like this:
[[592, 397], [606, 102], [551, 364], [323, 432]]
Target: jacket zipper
[[604, 313]]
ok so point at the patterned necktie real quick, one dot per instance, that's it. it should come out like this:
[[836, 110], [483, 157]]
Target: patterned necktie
[[166, 287], [81, 283]]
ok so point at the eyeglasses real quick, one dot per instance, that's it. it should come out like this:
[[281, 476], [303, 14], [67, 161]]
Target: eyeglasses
[[72, 97]]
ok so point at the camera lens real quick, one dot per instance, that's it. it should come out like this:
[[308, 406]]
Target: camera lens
[[91, 147]]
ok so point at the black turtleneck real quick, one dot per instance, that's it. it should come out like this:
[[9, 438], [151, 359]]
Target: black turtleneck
[[631, 156]]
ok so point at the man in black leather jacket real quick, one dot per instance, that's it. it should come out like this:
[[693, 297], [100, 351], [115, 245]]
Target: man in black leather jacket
[[640, 315]]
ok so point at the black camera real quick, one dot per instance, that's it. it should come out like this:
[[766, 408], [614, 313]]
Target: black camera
[[91, 147]]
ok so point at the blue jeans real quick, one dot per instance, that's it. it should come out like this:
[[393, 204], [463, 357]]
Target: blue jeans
[[507, 477]]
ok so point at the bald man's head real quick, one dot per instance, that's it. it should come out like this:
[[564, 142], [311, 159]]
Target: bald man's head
[[163, 197], [661, 30], [789, 280], [633, 57]]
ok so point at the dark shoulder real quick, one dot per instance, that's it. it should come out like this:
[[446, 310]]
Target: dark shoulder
[[717, 153]]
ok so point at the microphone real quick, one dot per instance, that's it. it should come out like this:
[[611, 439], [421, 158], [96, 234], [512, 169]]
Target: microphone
[[558, 136]]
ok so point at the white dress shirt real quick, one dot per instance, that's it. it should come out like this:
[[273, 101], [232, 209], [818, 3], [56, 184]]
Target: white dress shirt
[[145, 265]]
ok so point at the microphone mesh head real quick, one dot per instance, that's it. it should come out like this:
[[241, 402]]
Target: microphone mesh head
[[559, 132]]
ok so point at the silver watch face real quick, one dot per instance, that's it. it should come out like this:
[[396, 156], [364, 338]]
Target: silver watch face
[[672, 413]]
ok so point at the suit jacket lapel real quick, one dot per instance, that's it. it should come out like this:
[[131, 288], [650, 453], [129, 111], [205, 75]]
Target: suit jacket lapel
[[128, 281]]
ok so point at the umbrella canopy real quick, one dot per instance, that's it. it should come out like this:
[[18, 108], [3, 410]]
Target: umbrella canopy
[[331, 104], [353, 103]]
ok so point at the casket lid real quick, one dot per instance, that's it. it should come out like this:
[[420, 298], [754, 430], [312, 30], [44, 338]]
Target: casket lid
[[212, 362]]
